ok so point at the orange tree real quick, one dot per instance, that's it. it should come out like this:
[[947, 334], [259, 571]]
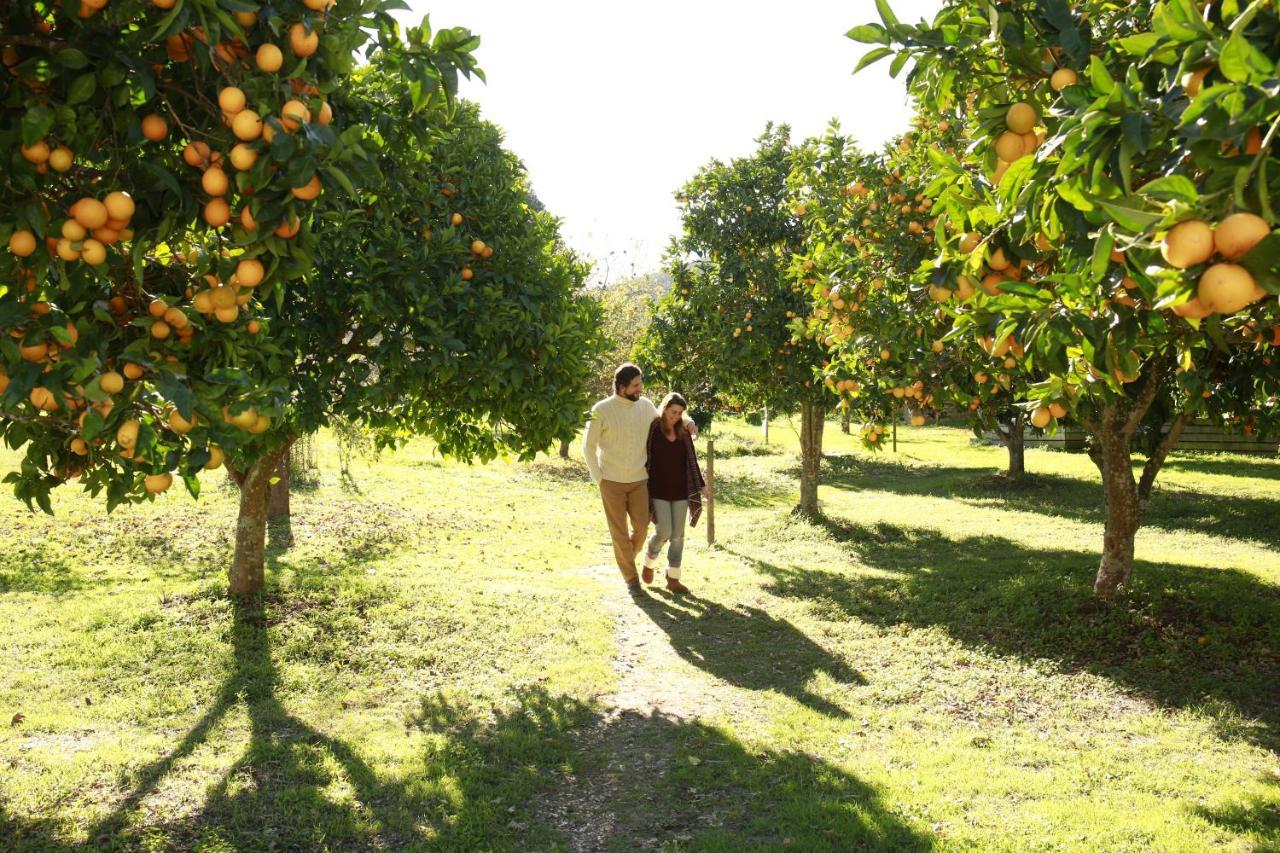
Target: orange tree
[[442, 304], [870, 225], [727, 323], [1139, 212], [174, 172]]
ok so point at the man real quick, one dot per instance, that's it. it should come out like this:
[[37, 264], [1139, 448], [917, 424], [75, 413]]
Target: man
[[614, 447]]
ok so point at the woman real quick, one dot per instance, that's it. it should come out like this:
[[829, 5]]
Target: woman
[[675, 488]]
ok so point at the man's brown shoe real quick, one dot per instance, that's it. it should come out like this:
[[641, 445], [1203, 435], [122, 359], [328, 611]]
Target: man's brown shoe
[[646, 574], [675, 586], [634, 587]]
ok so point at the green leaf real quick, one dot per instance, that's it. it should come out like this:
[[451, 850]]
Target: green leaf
[[176, 391], [1100, 77], [1242, 62], [1138, 45], [1172, 187], [1129, 215], [1263, 261], [93, 425], [70, 57], [36, 124], [886, 14], [898, 61], [869, 34], [343, 181], [872, 56], [82, 88]]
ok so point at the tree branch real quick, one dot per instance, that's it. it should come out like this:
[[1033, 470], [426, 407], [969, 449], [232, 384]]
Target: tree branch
[[1156, 460], [1138, 408], [41, 42]]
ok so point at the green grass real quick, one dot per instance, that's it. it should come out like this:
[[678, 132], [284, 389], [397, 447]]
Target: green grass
[[433, 663]]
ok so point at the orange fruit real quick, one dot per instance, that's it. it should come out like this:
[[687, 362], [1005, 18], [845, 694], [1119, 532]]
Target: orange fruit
[[66, 251], [61, 159], [325, 115], [455, 220], [1021, 118], [301, 42], [160, 330], [90, 213], [93, 252], [227, 315], [232, 100], [127, 434], [1236, 235], [111, 382], [293, 115], [1192, 81], [215, 182], [120, 207], [195, 154], [223, 296], [1009, 146], [1062, 78], [1227, 288], [180, 425], [157, 483], [250, 272], [155, 128], [247, 125], [43, 399], [269, 58], [247, 222], [308, 191], [243, 157], [217, 212], [289, 228], [37, 153], [133, 372], [1040, 417], [216, 458], [1187, 244], [22, 243], [467, 274]]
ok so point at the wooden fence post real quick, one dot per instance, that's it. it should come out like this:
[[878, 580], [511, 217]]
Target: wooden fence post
[[711, 489]]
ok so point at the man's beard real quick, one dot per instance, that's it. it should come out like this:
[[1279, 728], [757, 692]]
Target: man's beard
[[635, 398]]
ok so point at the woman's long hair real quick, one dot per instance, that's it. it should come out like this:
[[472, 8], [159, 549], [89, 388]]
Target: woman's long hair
[[673, 399]]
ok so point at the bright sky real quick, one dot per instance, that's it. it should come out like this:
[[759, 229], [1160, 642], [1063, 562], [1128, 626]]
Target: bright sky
[[612, 106]]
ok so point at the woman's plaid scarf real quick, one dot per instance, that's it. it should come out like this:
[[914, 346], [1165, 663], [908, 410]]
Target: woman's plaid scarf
[[694, 483]]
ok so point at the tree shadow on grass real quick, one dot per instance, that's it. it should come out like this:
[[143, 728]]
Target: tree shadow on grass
[[480, 777], [1245, 518], [1037, 604], [37, 568], [1257, 815], [1226, 465], [747, 647]]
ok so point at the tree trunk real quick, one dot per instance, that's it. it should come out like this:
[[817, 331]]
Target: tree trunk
[[278, 499], [564, 449], [1017, 445], [844, 421], [246, 574], [1123, 514], [812, 419]]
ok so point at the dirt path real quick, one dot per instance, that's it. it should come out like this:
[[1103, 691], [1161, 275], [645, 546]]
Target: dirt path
[[615, 803]]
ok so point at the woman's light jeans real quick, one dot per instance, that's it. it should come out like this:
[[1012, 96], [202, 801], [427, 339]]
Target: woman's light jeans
[[670, 532]]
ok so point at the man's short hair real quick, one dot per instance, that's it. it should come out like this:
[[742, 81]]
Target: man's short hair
[[625, 375]]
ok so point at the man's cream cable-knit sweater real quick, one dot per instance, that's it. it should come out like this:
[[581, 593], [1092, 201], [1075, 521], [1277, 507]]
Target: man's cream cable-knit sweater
[[616, 436]]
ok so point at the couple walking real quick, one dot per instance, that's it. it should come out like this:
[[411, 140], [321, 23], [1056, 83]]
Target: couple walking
[[643, 459]]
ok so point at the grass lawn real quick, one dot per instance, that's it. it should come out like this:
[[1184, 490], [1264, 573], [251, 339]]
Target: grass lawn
[[445, 660]]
